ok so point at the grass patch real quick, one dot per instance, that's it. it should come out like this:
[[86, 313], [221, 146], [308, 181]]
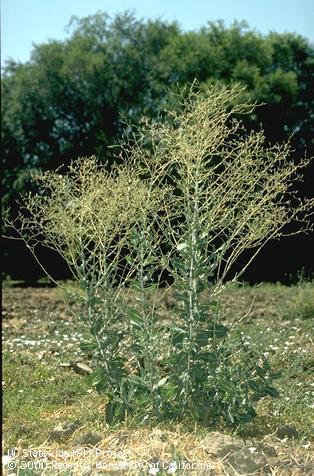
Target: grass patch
[[38, 396], [300, 304]]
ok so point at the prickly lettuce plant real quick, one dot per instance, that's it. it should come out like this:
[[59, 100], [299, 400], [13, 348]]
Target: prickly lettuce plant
[[238, 377], [88, 216], [195, 193], [231, 193], [147, 336]]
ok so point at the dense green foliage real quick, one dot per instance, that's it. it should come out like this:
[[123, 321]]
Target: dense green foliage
[[72, 98], [68, 99]]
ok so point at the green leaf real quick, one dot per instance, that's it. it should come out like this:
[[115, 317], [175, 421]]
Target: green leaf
[[149, 261], [201, 285], [102, 386], [178, 336], [116, 366], [271, 391], [248, 415], [217, 330], [88, 346], [253, 385], [180, 265], [260, 371], [96, 326], [95, 376], [138, 381], [135, 285], [202, 337], [136, 319], [114, 411], [99, 380], [134, 314], [129, 259]]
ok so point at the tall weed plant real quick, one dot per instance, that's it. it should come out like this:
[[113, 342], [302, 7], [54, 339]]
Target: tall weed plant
[[194, 192]]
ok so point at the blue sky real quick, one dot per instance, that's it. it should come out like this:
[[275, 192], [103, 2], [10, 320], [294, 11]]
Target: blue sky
[[25, 22]]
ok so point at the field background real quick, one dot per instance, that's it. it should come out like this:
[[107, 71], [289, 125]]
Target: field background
[[42, 391]]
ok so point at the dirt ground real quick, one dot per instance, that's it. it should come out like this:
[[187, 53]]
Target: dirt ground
[[39, 329]]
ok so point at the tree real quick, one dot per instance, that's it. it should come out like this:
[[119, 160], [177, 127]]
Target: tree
[[71, 99]]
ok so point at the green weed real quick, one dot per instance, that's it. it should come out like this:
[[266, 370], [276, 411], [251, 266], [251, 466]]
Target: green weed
[[194, 193]]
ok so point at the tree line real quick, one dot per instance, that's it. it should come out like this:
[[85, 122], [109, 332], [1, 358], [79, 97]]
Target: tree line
[[73, 98]]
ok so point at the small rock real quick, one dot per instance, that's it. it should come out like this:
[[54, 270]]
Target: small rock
[[267, 450], [57, 434], [65, 365], [220, 445], [72, 427], [288, 431], [61, 432], [245, 462], [81, 368], [88, 439]]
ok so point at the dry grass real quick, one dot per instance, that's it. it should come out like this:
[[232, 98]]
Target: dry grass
[[139, 451]]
